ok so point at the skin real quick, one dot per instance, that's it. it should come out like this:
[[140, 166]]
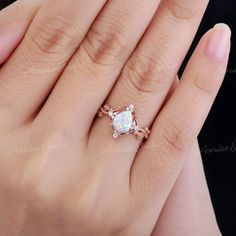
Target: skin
[[174, 213], [15, 20], [64, 167]]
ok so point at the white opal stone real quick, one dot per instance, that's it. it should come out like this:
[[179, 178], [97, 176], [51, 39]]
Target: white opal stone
[[122, 123]]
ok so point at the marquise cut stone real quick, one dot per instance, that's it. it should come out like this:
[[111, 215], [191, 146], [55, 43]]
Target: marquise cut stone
[[122, 123]]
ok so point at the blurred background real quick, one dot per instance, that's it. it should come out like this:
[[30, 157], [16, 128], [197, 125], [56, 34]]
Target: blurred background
[[218, 137]]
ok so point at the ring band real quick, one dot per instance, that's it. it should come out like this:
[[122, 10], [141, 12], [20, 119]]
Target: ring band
[[123, 121]]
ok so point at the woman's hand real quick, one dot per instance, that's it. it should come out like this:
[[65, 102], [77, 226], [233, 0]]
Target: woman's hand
[[189, 199], [69, 168], [185, 202]]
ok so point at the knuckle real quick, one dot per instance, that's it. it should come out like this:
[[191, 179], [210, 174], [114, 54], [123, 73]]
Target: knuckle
[[143, 75], [87, 204], [175, 138], [103, 47], [53, 34], [53, 139], [183, 10], [35, 182], [204, 85], [86, 211]]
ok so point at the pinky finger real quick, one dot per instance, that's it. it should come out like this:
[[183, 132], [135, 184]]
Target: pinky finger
[[190, 104], [181, 119]]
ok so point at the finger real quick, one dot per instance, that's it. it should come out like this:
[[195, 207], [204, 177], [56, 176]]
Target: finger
[[97, 64], [189, 197], [175, 130], [185, 199], [148, 75], [14, 21], [52, 38]]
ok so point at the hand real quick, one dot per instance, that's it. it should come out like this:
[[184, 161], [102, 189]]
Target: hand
[[45, 159], [181, 205], [185, 202]]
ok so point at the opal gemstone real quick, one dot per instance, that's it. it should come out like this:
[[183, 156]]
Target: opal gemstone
[[122, 123]]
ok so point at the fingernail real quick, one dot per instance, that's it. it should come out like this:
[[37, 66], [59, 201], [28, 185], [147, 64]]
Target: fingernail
[[218, 42]]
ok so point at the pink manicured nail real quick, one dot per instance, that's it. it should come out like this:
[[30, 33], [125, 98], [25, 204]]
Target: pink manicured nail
[[218, 42]]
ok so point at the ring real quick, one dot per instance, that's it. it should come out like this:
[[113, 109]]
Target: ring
[[123, 121]]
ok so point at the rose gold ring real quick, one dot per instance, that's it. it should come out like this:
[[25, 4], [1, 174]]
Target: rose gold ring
[[123, 121]]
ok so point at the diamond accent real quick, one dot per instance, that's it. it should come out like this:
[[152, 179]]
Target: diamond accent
[[110, 113], [115, 135], [131, 108]]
